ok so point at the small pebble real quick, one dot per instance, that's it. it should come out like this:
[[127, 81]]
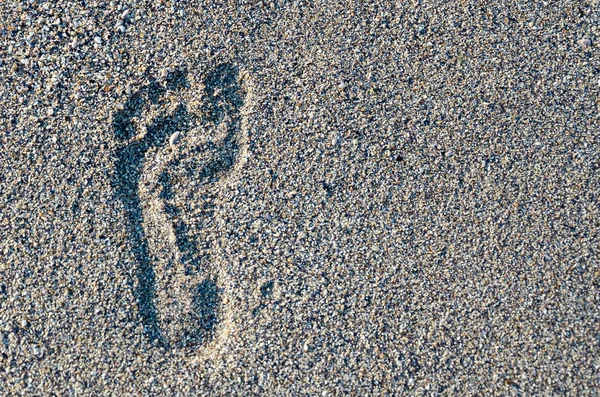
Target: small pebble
[[174, 138], [585, 42], [98, 39]]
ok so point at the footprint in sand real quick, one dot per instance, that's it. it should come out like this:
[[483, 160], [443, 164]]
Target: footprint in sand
[[177, 144]]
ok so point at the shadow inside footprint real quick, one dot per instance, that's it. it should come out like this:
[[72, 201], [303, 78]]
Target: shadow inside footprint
[[123, 126], [225, 96], [206, 298], [187, 248], [204, 316]]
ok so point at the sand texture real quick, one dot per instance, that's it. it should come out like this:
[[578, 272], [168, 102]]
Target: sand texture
[[299, 198]]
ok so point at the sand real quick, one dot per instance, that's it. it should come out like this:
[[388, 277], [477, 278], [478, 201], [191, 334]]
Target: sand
[[299, 198]]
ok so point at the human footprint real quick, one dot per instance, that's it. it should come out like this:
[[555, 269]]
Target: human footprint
[[166, 174]]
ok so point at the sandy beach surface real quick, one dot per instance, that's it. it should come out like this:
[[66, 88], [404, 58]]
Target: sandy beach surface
[[299, 198]]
